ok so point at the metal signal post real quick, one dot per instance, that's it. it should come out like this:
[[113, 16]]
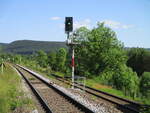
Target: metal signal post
[[68, 29]]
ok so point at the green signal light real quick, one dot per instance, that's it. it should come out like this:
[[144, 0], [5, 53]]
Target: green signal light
[[68, 24]]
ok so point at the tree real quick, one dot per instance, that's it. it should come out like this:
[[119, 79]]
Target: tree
[[17, 58], [139, 60], [146, 64], [145, 85], [52, 60], [123, 78], [42, 58], [98, 49], [61, 59], [99, 53], [127, 80]]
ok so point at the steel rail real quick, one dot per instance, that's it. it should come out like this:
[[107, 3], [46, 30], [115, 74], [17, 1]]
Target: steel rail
[[73, 101], [36, 93], [135, 104]]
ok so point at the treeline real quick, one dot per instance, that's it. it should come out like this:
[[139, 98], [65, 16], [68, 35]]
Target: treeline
[[98, 55]]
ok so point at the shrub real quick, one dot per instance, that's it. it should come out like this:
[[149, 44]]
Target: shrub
[[123, 78], [145, 85]]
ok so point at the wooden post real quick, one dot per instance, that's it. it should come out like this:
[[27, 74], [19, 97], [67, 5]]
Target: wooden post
[[2, 67]]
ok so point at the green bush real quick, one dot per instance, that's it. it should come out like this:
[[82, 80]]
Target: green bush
[[106, 77], [123, 78], [145, 85]]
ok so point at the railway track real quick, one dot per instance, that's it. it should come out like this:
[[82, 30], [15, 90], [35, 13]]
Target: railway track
[[52, 99], [36, 81], [122, 103]]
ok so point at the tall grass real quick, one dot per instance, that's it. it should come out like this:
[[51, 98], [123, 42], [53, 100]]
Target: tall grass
[[10, 90]]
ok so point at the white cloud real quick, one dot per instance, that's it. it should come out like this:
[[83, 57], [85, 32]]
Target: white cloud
[[116, 25], [84, 23], [55, 18], [127, 26]]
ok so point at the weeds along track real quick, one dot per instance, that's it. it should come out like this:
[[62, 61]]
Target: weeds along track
[[123, 104], [52, 99]]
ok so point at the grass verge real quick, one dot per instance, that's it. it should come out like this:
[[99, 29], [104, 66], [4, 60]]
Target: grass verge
[[11, 95]]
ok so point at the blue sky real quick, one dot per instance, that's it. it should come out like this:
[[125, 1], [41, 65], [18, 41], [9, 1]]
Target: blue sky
[[44, 19]]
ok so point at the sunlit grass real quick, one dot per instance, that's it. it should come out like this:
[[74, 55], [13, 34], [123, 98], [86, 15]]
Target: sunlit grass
[[59, 73], [96, 83], [11, 95]]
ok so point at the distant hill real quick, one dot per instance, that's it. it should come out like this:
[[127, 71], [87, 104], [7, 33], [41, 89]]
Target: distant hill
[[30, 46], [3, 44], [127, 48], [148, 49]]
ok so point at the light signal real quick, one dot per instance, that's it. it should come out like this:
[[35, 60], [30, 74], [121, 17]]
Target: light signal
[[69, 24]]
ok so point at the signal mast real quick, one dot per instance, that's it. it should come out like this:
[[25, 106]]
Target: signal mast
[[70, 43]]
